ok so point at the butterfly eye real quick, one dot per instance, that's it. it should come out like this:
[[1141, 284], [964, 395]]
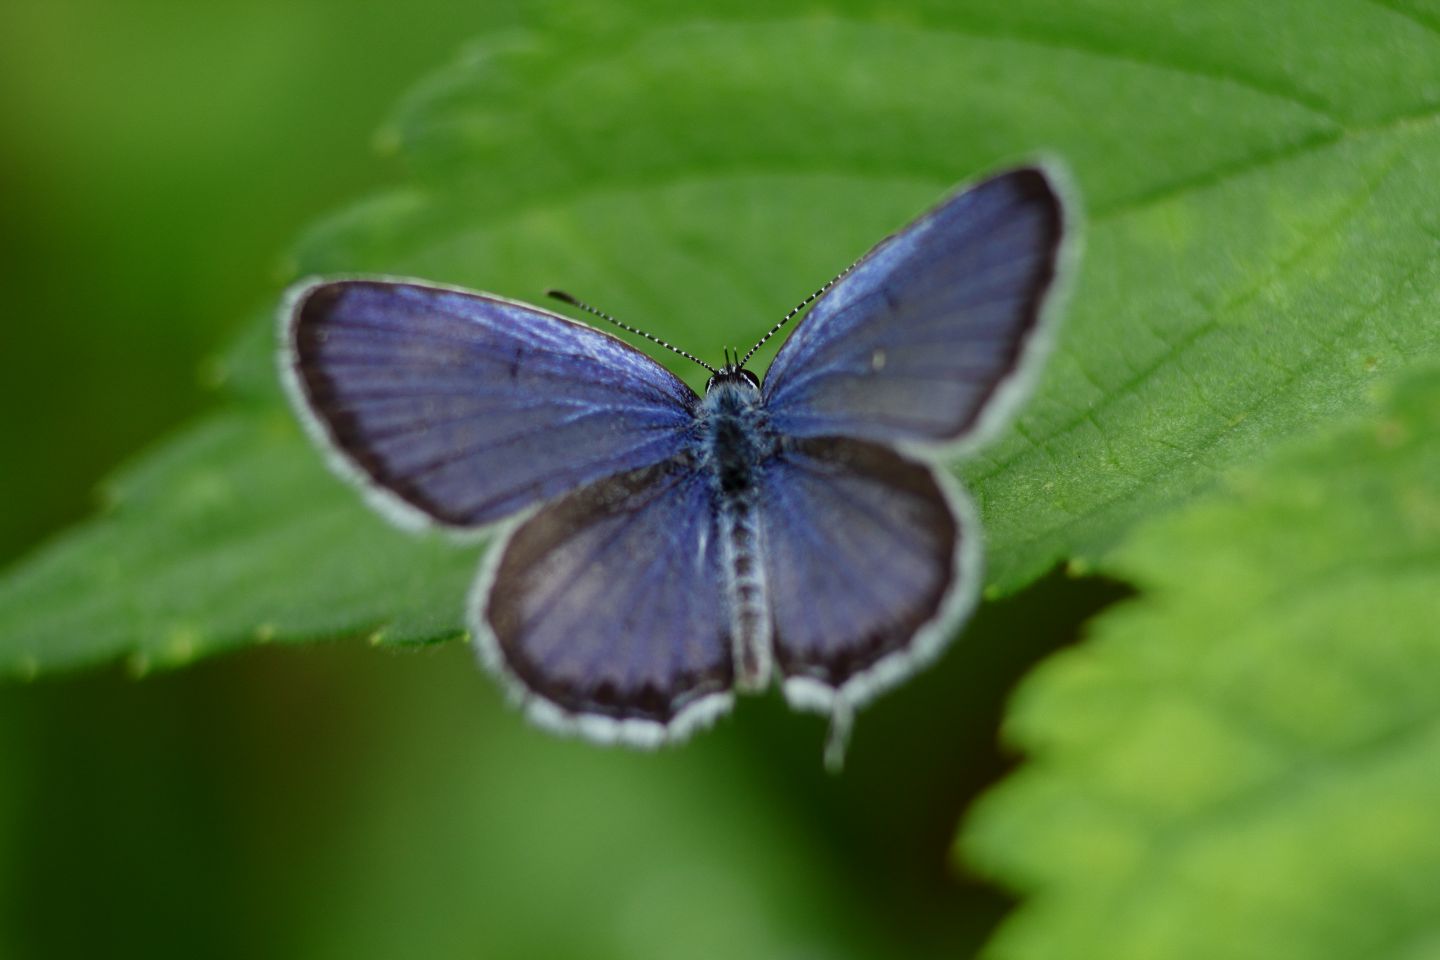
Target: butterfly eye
[[754, 380]]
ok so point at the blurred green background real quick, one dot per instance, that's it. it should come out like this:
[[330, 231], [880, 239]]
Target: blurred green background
[[336, 800]]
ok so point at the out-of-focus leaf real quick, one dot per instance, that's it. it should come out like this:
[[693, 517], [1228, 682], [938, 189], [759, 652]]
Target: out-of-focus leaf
[[1263, 185], [1245, 761]]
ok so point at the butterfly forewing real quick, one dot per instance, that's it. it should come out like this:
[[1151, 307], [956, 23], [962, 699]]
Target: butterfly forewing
[[462, 408], [607, 604], [919, 339]]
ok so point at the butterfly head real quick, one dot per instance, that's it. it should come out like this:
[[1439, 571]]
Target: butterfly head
[[733, 375]]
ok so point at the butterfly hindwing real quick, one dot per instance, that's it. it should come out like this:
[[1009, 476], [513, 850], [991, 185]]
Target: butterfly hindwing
[[869, 564], [923, 336], [605, 607], [459, 408]]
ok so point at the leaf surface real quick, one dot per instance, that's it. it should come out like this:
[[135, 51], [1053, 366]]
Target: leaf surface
[[1263, 193], [1245, 760]]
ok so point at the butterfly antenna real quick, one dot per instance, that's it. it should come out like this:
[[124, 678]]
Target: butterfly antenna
[[564, 297], [798, 307]]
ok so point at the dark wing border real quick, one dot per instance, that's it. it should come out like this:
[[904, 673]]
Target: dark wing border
[[1015, 388]]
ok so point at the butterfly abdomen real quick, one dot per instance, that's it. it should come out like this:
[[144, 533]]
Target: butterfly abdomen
[[748, 595]]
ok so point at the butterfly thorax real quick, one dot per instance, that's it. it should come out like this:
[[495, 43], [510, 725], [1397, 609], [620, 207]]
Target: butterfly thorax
[[734, 442], [735, 438]]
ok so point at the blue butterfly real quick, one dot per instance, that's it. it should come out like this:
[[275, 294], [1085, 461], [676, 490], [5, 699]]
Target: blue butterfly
[[662, 550]]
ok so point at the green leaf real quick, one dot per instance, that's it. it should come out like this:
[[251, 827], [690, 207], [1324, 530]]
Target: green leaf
[[236, 559], [1245, 761], [1263, 184]]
